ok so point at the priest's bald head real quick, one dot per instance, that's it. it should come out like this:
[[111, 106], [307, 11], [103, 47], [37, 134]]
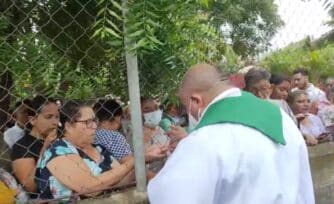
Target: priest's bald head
[[200, 85]]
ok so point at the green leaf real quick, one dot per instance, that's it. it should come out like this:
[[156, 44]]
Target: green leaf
[[97, 32], [100, 12], [113, 25], [116, 4], [99, 2], [112, 13], [155, 24], [151, 14], [155, 40], [136, 34], [115, 43], [112, 32]]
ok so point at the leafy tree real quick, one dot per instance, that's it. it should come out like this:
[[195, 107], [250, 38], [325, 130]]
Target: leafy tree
[[319, 60], [76, 48], [251, 23]]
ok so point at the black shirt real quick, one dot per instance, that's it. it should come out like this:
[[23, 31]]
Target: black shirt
[[27, 147]]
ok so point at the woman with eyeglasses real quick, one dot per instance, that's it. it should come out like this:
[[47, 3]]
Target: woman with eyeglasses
[[43, 115], [73, 164]]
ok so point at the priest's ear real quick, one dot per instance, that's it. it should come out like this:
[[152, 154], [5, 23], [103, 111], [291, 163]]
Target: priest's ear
[[197, 101]]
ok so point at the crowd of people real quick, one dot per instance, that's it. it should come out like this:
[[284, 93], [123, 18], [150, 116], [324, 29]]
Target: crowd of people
[[309, 106], [69, 149]]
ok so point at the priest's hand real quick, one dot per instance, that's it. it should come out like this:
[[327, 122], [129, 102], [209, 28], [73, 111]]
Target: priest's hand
[[176, 133], [155, 152]]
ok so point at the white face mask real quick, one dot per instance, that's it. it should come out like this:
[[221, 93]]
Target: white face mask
[[153, 119], [176, 120], [192, 121]]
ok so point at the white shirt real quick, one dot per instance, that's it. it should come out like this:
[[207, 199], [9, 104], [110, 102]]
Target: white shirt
[[234, 164], [12, 135], [314, 93]]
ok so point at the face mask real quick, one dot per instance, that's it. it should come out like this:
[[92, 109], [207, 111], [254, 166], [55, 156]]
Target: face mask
[[153, 119], [176, 120], [192, 121]]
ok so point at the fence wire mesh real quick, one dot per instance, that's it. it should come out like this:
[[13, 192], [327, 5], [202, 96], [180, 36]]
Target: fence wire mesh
[[55, 51]]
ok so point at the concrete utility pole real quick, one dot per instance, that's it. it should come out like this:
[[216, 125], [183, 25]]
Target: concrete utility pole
[[135, 109]]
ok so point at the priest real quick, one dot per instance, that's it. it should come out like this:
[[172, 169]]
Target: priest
[[241, 149]]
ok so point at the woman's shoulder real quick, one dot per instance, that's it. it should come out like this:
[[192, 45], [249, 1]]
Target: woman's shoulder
[[26, 140], [59, 147], [27, 147], [62, 147]]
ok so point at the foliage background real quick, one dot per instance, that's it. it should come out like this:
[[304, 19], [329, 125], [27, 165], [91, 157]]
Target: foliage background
[[75, 48], [315, 56]]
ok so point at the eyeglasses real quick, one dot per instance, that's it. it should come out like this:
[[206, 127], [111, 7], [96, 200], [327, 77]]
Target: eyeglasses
[[90, 123]]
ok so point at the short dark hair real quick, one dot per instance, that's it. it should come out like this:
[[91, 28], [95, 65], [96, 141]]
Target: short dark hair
[[255, 75], [70, 112], [301, 70], [37, 103], [277, 79], [26, 103], [107, 109]]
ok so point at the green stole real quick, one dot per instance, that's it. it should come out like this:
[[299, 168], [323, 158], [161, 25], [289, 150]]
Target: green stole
[[249, 111]]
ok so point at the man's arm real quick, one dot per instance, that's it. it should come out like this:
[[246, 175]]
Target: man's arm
[[189, 175]]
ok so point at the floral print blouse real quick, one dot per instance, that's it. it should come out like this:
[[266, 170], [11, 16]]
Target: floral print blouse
[[48, 186]]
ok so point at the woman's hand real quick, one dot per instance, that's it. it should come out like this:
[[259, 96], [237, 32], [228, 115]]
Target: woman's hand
[[300, 117], [52, 136], [324, 137], [310, 141]]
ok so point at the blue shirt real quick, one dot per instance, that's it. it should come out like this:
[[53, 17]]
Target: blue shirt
[[48, 186], [114, 142]]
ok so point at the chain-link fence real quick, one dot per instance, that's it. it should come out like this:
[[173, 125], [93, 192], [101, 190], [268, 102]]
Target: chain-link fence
[[103, 52]]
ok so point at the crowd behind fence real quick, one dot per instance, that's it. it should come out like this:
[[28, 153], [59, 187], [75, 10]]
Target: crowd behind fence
[[55, 52]]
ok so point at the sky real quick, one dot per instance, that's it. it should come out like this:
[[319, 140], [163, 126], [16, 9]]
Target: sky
[[301, 18]]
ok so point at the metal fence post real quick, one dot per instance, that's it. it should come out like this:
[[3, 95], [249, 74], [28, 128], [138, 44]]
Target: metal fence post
[[135, 111]]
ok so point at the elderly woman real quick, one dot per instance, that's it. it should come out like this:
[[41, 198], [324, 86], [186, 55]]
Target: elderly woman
[[73, 164], [310, 125], [43, 121]]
